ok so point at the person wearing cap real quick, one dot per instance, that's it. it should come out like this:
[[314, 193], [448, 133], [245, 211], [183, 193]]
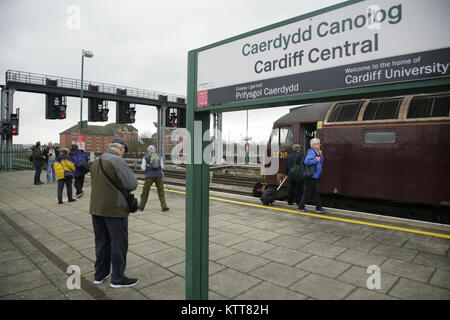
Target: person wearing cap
[[153, 166], [109, 210], [295, 180]]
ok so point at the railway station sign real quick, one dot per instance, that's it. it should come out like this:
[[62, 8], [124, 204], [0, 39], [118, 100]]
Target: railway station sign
[[350, 45], [349, 49]]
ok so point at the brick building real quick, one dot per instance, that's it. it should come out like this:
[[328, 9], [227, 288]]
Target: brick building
[[98, 137]]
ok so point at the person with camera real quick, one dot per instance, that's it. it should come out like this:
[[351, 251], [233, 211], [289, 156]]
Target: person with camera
[[50, 154], [111, 179]]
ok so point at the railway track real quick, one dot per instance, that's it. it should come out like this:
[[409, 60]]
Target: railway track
[[234, 185]]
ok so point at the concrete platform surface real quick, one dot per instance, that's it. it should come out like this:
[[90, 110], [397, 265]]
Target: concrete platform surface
[[255, 252]]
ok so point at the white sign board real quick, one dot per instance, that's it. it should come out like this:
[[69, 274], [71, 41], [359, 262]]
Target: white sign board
[[357, 45]]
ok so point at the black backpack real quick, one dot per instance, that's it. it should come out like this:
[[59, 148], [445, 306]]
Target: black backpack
[[295, 174]]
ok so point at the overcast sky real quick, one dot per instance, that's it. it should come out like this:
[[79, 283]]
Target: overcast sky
[[136, 43]]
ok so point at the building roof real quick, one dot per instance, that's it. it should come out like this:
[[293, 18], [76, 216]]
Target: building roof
[[109, 129]]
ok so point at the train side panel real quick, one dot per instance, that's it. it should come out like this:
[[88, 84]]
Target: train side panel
[[415, 168]]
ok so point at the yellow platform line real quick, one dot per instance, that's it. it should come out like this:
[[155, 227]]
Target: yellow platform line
[[321, 216]]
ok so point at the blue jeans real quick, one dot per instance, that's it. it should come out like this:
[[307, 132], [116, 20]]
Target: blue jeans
[[61, 183], [50, 168], [37, 175]]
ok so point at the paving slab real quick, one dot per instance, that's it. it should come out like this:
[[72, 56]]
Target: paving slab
[[323, 266], [254, 247], [323, 249], [361, 258], [285, 256], [407, 270], [436, 261], [269, 291], [427, 246], [279, 274], [356, 244], [320, 287], [358, 276], [230, 283], [391, 251], [243, 262], [441, 278], [413, 290], [364, 294]]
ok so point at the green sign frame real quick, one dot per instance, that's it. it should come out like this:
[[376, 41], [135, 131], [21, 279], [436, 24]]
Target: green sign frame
[[197, 175]]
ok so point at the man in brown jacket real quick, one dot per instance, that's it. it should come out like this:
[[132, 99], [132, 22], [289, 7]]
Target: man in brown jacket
[[109, 211]]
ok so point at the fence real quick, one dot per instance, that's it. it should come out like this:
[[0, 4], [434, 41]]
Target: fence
[[12, 159]]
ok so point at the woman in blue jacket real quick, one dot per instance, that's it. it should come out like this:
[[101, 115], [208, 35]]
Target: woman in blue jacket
[[314, 157]]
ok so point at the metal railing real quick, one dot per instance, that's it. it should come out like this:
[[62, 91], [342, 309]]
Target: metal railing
[[13, 76], [12, 159]]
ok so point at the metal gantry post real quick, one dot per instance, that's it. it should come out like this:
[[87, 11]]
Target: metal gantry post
[[162, 149], [197, 194]]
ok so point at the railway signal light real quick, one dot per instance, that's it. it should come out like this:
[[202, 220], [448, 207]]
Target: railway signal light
[[98, 110], [62, 112], [176, 117], [15, 123], [55, 106], [6, 129], [105, 114], [125, 113]]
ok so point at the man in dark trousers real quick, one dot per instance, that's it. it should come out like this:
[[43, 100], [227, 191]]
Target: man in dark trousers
[[294, 159], [81, 162], [314, 157], [38, 162], [109, 210]]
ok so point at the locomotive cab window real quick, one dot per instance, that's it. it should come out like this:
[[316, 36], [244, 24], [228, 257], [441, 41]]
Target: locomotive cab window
[[275, 136], [380, 137], [286, 136]]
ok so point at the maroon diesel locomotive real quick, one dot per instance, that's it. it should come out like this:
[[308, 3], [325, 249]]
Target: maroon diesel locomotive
[[395, 149]]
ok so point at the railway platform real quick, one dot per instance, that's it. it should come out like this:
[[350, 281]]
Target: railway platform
[[255, 252]]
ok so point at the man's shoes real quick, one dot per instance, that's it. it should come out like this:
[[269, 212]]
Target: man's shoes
[[60, 202], [72, 200], [165, 209], [321, 210], [41, 182], [304, 210], [80, 195], [97, 282], [127, 282]]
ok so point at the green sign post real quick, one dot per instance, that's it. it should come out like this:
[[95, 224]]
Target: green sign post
[[346, 51]]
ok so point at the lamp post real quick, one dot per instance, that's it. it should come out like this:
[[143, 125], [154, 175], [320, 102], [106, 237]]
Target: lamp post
[[87, 54]]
